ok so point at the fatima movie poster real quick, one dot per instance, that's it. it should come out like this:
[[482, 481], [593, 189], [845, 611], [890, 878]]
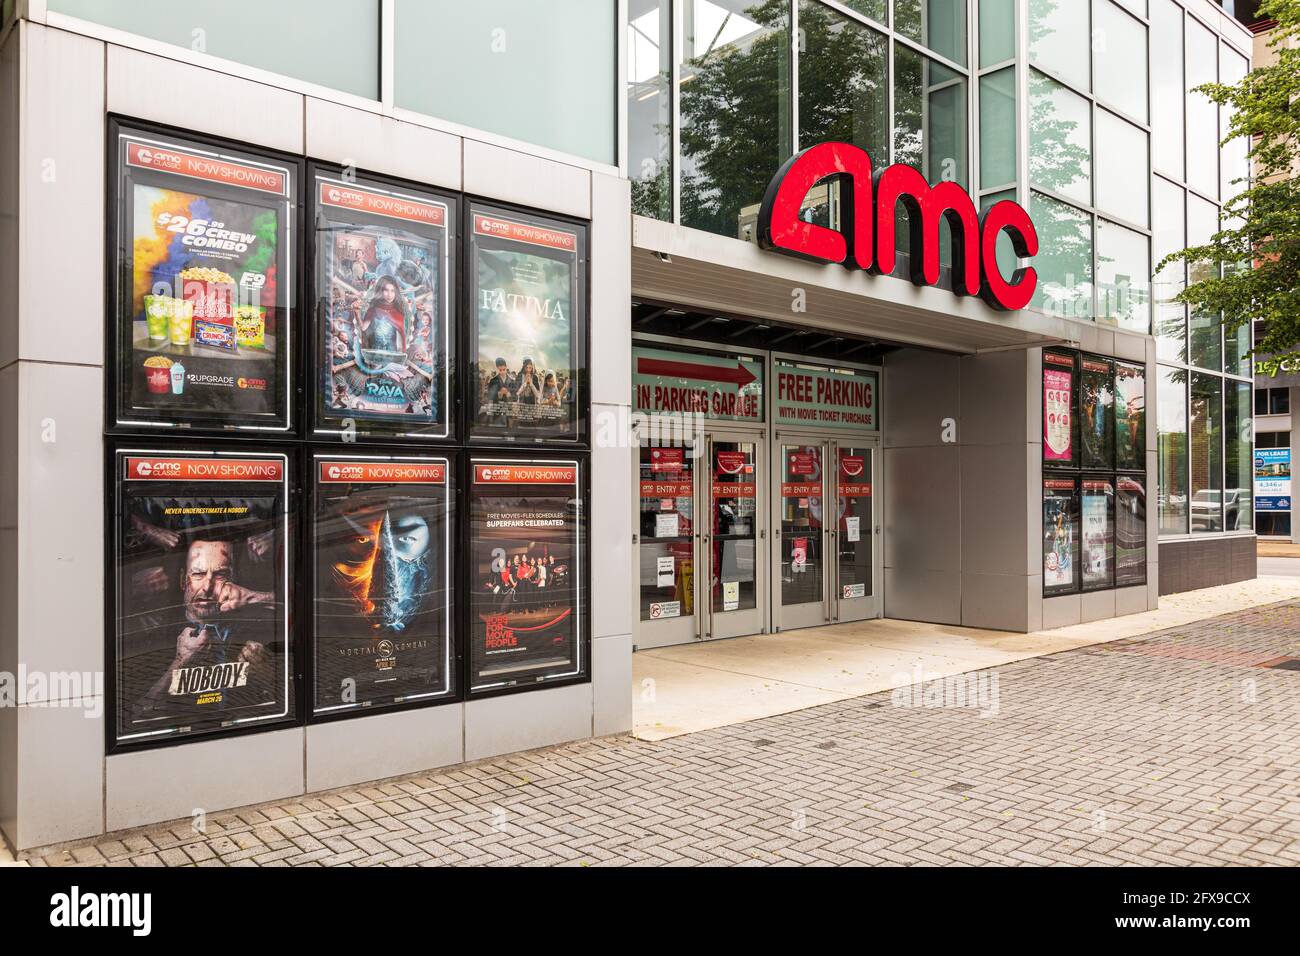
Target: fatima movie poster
[[205, 285], [380, 604], [526, 605], [201, 593], [526, 334], [382, 303]]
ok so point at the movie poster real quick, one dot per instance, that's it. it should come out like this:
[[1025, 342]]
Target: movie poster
[[202, 635], [382, 304], [381, 603], [1096, 414], [1130, 532], [1060, 536], [1130, 417], [1096, 534], [1058, 381], [204, 323], [530, 318], [527, 604]]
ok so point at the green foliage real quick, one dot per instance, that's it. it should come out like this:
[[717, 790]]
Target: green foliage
[[1261, 224]]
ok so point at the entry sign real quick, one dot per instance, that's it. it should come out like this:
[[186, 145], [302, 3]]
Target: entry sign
[[716, 387], [826, 398]]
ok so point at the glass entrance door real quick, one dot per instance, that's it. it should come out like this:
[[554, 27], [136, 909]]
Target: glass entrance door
[[855, 537], [701, 540], [825, 554]]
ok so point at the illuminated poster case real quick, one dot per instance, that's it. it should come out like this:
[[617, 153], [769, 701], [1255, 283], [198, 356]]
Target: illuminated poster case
[[381, 587], [201, 592], [527, 573], [527, 327], [202, 284], [383, 328], [1060, 536]]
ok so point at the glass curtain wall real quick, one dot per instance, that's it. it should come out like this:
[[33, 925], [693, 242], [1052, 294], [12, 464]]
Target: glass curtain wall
[[1203, 386], [721, 92]]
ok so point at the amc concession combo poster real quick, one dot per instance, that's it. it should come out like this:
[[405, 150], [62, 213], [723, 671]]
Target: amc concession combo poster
[[529, 316], [1058, 381], [526, 605], [382, 304], [204, 285], [201, 592], [380, 599]]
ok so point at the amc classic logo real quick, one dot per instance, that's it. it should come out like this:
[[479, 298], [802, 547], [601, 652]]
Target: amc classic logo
[[866, 236]]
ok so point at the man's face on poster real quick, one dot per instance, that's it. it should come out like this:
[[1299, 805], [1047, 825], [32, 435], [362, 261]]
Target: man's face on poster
[[208, 568]]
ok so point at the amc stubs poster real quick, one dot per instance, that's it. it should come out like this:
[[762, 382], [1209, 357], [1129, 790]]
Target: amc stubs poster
[[526, 604], [380, 598], [527, 317], [382, 303], [204, 286], [201, 573]]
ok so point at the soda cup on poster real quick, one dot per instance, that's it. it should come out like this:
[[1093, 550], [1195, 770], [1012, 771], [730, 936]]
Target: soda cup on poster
[[157, 312], [181, 321], [178, 378]]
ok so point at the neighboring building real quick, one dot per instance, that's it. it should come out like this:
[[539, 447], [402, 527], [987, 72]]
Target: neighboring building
[[265, 473]]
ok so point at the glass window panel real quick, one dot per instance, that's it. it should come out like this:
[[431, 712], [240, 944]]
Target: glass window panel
[[1167, 95], [1059, 32], [1064, 260], [539, 72], [1236, 343], [1279, 401], [734, 108], [802, 516], [1137, 6], [1123, 289], [1119, 45], [1096, 414], [843, 94], [997, 31], [1060, 139], [649, 107], [1202, 113], [1171, 452], [335, 42], [875, 9], [938, 24], [1233, 162], [1122, 171], [1205, 453], [1006, 252], [1239, 458], [1206, 349], [929, 116], [1170, 236], [667, 523], [998, 128], [733, 557]]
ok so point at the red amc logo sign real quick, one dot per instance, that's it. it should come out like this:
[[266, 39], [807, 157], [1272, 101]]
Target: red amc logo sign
[[203, 469], [866, 238], [525, 474]]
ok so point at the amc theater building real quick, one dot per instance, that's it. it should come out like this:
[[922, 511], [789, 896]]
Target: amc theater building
[[368, 400]]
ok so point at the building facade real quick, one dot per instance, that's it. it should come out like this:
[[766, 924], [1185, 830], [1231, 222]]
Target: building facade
[[399, 382]]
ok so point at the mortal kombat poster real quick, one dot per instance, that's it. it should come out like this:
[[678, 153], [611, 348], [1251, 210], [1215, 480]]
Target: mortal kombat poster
[[201, 583], [381, 597], [526, 602], [525, 337], [383, 342]]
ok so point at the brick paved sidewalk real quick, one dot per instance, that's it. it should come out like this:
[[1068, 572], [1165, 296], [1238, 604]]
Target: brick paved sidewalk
[[1174, 748]]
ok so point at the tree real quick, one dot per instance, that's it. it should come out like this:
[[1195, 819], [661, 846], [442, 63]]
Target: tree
[[1260, 225]]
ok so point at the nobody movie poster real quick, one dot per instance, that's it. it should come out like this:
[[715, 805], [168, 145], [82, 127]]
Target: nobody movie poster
[[201, 589], [525, 528], [380, 604]]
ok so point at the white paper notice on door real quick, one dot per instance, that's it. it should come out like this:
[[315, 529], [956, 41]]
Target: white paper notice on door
[[666, 525], [852, 528], [730, 595], [665, 568]]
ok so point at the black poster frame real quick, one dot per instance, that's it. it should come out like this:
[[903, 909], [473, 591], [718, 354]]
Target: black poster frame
[[1123, 582], [1073, 514], [1073, 359], [1083, 492], [373, 428]]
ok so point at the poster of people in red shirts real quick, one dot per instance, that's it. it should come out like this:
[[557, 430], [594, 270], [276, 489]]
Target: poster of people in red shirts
[[202, 635], [526, 607], [381, 596]]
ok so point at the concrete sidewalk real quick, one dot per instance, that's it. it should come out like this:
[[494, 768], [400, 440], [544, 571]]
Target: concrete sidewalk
[[694, 687]]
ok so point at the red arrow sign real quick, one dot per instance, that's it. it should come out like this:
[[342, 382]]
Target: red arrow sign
[[738, 376]]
